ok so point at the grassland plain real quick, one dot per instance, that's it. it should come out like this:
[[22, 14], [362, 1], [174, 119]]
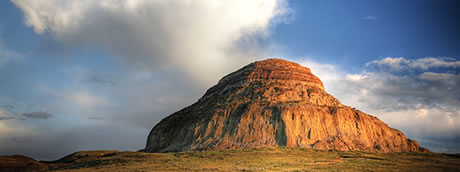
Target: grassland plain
[[261, 159]]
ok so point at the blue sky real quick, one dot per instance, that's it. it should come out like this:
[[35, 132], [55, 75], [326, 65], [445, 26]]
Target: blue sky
[[78, 74], [355, 32]]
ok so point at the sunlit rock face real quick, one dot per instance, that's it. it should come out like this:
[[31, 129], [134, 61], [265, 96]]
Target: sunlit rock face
[[273, 103]]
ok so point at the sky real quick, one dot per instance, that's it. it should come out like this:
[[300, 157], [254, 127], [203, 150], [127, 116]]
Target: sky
[[85, 75]]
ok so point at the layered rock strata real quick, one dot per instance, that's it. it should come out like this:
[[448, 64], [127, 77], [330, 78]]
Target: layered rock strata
[[273, 103]]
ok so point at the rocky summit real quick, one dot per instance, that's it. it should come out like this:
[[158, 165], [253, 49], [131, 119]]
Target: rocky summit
[[272, 103]]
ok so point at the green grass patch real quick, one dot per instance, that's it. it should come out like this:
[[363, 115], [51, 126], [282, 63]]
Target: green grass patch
[[262, 159]]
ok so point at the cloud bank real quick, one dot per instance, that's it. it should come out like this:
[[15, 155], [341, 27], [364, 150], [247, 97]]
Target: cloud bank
[[402, 64], [418, 96], [196, 37]]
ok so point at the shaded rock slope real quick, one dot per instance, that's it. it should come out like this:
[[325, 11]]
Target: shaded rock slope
[[270, 103]]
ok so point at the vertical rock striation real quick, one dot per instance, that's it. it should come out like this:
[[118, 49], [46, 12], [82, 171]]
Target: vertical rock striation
[[273, 103]]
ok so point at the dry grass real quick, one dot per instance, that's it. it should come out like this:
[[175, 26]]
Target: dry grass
[[266, 159]]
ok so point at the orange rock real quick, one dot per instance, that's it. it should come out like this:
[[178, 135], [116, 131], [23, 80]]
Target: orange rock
[[273, 103]]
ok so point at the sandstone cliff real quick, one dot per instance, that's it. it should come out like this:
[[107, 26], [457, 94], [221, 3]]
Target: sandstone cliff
[[273, 103]]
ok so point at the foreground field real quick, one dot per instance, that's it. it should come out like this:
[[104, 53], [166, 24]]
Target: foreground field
[[266, 159]]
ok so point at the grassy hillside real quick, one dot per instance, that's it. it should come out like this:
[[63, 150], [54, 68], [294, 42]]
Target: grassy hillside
[[266, 159], [273, 159]]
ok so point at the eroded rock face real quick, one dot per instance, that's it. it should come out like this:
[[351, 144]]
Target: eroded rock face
[[273, 103]]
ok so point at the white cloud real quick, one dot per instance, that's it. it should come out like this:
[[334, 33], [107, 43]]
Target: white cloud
[[326, 72], [201, 38], [355, 77], [401, 63], [372, 18]]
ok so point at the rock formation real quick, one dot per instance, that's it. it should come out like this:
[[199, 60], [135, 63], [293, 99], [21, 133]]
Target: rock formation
[[273, 103]]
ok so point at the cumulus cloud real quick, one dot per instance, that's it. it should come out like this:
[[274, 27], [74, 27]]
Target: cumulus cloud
[[408, 94], [195, 37], [38, 115]]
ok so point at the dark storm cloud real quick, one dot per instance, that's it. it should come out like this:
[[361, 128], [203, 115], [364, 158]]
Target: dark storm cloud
[[38, 115]]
